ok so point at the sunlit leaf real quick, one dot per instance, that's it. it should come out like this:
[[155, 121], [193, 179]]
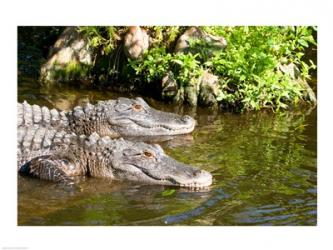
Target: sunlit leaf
[[168, 192]]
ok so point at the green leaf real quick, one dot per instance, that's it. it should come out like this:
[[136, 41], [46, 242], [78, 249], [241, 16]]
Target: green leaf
[[303, 42], [168, 192], [178, 61]]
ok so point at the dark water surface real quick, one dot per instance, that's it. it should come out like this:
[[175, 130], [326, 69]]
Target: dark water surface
[[264, 168]]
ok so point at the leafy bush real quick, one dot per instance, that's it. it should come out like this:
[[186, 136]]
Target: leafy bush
[[164, 36], [156, 62], [250, 77], [186, 67], [250, 64], [153, 65], [103, 38], [249, 68]]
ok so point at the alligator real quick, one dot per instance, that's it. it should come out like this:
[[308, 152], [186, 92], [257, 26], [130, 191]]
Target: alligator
[[59, 156], [115, 118]]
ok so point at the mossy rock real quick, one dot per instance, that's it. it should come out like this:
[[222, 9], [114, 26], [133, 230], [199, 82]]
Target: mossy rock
[[71, 59], [209, 88], [179, 97], [197, 35], [169, 86], [191, 92]]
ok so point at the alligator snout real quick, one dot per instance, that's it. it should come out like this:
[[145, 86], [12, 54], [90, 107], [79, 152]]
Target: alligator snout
[[201, 178], [199, 172], [187, 119]]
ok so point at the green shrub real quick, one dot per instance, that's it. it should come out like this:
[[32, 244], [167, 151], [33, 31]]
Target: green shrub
[[102, 38], [153, 65], [156, 62], [249, 68], [250, 64], [164, 36]]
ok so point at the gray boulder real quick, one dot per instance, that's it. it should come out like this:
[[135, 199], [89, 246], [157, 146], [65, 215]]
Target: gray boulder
[[195, 33], [293, 71], [169, 86], [70, 54], [290, 69], [179, 97], [136, 41], [209, 89], [191, 91]]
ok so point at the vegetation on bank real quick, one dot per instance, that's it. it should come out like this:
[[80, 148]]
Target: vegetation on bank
[[248, 69], [261, 67]]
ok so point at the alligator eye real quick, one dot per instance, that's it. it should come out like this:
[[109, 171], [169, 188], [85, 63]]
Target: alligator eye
[[148, 154], [137, 107]]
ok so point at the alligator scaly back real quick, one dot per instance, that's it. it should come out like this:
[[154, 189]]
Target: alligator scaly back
[[28, 115], [39, 140]]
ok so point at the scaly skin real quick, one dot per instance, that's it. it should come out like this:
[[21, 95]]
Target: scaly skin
[[115, 118], [56, 155]]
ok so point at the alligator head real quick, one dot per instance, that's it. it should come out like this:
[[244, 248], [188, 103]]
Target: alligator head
[[149, 164], [134, 117]]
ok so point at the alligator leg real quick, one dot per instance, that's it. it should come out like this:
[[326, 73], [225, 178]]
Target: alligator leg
[[51, 168]]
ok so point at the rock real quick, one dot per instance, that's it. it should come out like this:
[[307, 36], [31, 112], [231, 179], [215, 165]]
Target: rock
[[310, 95], [136, 41], [169, 86], [209, 89], [290, 69], [195, 33], [71, 52], [179, 98], [191, 92]]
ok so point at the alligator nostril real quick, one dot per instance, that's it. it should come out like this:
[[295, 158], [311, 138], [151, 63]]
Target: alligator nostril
[[197, 173], [186, 118]]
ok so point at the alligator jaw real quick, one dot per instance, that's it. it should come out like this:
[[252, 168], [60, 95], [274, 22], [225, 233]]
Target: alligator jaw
[[136, 126], [200, 178], [172, 129], [202, 181]]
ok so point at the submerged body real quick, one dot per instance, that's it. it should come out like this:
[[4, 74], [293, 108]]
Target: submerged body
[[56, 155], [114, 118]]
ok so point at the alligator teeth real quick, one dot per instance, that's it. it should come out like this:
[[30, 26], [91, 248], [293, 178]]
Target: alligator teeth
[[160, 126]]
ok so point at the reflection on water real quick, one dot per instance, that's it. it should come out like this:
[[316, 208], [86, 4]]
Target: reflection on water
[[264, 167]]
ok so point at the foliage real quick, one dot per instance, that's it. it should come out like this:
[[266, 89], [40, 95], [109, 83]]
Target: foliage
[[164, 36], [168, 192], [250, 77], [156, 62], [103, 38], [153, 65], [249, 69], [250, 64], [186, 67]]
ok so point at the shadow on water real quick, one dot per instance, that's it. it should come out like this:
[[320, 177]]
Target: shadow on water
[[264, 167], [211, 202]]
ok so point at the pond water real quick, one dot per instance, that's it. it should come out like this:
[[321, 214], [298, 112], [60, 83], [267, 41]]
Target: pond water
[[264, 167]]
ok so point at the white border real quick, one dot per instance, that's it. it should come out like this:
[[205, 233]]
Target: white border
[[231, 12]]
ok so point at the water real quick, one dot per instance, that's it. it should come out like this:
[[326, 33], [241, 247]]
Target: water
[[263, 164]]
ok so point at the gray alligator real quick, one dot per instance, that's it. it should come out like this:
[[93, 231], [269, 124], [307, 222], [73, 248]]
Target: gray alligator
[[57, 155], [115, 118]]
